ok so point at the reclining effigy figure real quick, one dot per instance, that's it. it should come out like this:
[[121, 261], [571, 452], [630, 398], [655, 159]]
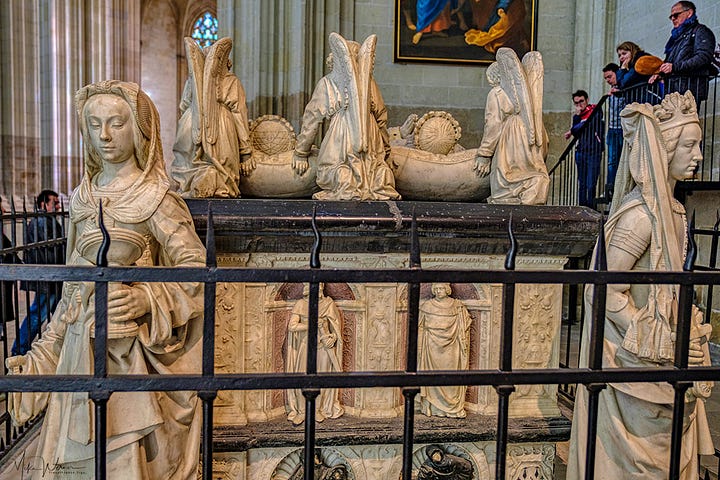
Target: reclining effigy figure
[[212, 144], [351, 161], [514, 143]]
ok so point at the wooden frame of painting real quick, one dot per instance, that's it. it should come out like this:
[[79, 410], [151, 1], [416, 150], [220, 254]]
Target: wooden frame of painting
[[463, 31]]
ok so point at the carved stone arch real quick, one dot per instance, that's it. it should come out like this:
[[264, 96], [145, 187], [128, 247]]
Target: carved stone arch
[[481, 469]]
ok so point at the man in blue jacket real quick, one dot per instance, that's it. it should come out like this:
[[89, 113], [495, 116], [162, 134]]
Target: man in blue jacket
[[688, 53]]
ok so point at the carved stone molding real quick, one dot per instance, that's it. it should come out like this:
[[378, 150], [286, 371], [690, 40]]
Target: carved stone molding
[[530, 461]]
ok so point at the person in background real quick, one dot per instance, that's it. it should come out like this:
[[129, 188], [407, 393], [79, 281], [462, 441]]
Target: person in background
[[41, 228], [614, 136], [588, 129], [689, 53], [630, 80]]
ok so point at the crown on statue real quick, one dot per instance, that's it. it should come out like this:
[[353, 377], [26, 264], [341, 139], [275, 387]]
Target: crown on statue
[[676, 110]]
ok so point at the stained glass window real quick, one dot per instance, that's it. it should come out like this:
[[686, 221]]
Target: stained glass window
[[205, 30]]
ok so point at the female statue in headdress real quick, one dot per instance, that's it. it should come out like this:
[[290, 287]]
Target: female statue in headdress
[[152, 327], [646, 230]]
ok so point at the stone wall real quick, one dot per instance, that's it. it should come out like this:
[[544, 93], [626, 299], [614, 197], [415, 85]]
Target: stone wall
[[462, 90]]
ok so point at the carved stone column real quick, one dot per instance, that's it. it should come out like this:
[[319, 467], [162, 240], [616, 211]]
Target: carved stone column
[[279, 49], [50, 50]]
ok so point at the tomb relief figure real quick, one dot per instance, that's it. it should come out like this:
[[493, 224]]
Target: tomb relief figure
[[443, 465], [443, 344], [352, 156], [646, 230], [514, 143], [329, 355], [153, 327], [212, 146], [429, 164]]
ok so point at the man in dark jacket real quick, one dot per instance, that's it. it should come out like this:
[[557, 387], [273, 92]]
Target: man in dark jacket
[[589, 130], [42, 228], [688, 53]]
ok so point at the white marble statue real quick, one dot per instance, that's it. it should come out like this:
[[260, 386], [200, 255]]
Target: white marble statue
[[443, 344], [329, 354], [149, 434], [352, 157], [646, 230], [514, 143], [212, 146]]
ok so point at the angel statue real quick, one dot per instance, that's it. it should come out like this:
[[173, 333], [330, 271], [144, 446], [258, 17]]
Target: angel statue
[[212, 145], [352, 157], [514, 144]]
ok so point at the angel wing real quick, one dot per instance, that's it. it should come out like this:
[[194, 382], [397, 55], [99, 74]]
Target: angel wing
[[196, 66], [535, 73], [216, 63], [366, 63], [344, 74], [514, 82]]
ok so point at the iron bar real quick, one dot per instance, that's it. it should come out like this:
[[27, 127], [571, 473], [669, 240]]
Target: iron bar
[[506, 344], [409, 394], [597, 335]]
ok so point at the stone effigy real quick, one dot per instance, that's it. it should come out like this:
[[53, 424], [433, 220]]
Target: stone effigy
[[153, 327], [443, 344], [646, 230], [514, 143], [329, 356], [352, 156], [212, 145]]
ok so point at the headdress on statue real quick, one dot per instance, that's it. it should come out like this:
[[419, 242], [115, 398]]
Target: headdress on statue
[[676, 110], [142, 198]]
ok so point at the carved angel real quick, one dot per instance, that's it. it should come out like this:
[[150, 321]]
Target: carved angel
[[212, 146], [352, 157], [514, 143]]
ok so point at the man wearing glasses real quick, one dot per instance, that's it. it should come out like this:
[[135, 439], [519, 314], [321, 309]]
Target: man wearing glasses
[[688, 53]]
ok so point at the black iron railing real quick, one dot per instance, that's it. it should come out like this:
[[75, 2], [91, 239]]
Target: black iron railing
[[564, 174], [28, 236], [100, 385]]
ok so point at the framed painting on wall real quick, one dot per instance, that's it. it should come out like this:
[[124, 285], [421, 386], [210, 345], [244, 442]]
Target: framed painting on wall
[[462, 31]]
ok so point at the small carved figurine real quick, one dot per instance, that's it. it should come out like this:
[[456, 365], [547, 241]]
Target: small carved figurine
[[329, 355], [514, 143], [646, 230], [441, 465], [153, 327], [212, 145], [352, 157], [443, 344]]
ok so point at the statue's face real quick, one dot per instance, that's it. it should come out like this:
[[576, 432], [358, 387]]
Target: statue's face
[[687, 154], [439, 290], [110, 128]]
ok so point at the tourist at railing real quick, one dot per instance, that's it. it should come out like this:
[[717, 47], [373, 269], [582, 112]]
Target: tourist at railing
[[614, 136], [689, 53], [589, 129], [41, 228]]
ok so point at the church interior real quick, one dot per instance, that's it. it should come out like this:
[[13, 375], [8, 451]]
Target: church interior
[[420, 262]]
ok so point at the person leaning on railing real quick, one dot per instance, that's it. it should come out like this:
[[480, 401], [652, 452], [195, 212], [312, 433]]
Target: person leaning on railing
[[689, 53]]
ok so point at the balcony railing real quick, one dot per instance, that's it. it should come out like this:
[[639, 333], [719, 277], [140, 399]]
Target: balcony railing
[[564, 173]]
